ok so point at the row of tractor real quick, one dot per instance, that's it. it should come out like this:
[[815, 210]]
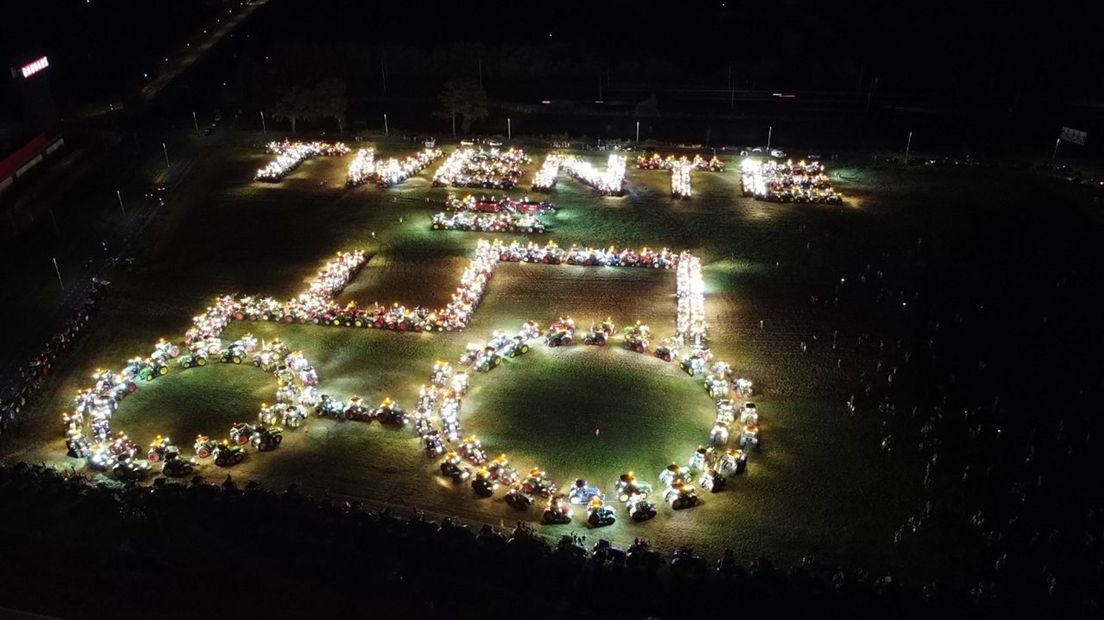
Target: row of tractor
[[361, 168], [609, 182], [552, 254], [549, 171], [437, 417], [94, 406], [680, 180], [690, 323], [487, 168], [697, 163], [788, 182], [290, 154], [488, 355], [709, 467], [385, 173], [488, 222], [491, 204]]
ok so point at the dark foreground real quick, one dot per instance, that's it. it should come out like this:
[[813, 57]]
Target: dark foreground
[[230, 550]]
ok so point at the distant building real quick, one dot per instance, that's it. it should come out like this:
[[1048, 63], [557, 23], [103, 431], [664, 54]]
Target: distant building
[[33, 133]]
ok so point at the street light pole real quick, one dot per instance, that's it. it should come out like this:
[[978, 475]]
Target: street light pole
[[263, 128], [509, 130], [908, 145], [1055, 153], [58, 272], [638, 132], [120, 195], [166, 151], [386, 130], [195, 121], [770, 131]]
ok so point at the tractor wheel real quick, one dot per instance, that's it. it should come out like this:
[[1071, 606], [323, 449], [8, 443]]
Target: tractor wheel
[[358, 323], [238, 456], [335, 322], [201, 361], [567, 342], [132, 387], [601, 342], [238, 316], [203, 453], [236, 359], [153, 457], [497, 361], [164, 370], [524, 348], [277, 440], [639, 348]]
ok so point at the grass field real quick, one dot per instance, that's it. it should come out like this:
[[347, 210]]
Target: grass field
[[816, 486]]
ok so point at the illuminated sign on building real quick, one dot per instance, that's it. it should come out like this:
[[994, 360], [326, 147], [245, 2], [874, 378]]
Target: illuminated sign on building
[[32, 68]]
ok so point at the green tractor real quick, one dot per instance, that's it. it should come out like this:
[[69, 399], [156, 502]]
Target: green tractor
[[193, 359], [151, 369], [234, 354]]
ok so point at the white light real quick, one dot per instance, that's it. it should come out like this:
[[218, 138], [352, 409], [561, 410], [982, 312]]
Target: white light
[[34, 67]]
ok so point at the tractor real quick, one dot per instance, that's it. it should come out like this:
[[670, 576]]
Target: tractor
[[681, 496], [197, 357], [537, 483], [487, 359], [518, 499], [637, 337], [240, 432], [483, 484], [559, 337], [581, 493], [628, 486], [178, 467], [718, 436], [558, 511], [265, 438], [432, 444], [162, 449], [667, 349], [713, 481], [514, 347], [390, 413], [204, 446], [356, 410], [330, 407], [472, 450], [599, 335], [226, 455], [452, 467], [640, 509], [598, 514], [733, 462], [234, 354]]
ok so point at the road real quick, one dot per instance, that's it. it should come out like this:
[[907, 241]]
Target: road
[[190, 54]]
